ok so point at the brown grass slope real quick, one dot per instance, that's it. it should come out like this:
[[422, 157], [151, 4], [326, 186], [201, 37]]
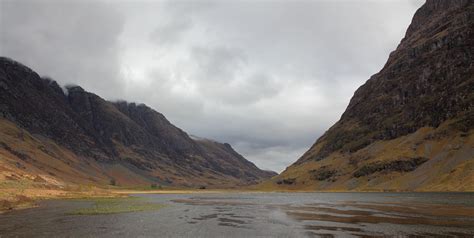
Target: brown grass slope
[[410, 126]]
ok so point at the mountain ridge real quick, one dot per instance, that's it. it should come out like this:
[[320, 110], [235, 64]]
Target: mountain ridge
[[133, 136], [422, 99]]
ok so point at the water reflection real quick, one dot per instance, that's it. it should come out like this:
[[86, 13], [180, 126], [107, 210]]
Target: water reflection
[[259, 214]]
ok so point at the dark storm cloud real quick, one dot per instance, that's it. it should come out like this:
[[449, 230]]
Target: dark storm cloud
[[269, 77]]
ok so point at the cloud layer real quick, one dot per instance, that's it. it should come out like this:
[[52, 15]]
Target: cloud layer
[[269, 77]]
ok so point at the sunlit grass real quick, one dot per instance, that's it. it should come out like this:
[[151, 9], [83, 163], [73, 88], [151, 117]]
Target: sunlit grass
[[104, 206]]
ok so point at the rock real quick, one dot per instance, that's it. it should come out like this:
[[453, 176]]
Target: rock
[[323, 173], [288, 181], [392, 166]]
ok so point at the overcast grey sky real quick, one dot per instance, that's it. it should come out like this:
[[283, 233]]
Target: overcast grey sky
[[268, 77]]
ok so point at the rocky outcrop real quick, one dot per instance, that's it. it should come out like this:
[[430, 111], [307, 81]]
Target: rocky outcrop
[[134, 136], [397, 165]]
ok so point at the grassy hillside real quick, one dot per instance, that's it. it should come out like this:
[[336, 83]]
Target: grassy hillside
[[430, 159]]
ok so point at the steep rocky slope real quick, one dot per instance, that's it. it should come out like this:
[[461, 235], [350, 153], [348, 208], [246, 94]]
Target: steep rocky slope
[[76, 136], [410, 126]]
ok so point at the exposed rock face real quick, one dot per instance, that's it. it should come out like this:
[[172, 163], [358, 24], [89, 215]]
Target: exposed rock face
[[427, 81], [397, 165], [134, 136]]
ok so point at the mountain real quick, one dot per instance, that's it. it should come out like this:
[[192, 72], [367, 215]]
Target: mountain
[[410, 126], [74, 136]]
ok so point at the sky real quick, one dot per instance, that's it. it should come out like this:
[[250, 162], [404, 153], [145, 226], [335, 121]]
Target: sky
[[266, 76]]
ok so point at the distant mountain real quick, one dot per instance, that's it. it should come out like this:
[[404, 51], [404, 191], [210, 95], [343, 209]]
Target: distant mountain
[[76, 136], [410, 126]]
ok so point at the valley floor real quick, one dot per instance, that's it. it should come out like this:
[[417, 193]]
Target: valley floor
[[17, 195], [19, 198]]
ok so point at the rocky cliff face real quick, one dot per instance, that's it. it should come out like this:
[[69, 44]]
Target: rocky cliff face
[[427, 82], [110, 136]]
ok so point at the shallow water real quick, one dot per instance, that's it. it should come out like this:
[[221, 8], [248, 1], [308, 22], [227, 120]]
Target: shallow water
[[258, 215]]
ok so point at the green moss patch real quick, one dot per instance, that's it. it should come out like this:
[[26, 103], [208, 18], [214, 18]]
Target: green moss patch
[[103, 206]]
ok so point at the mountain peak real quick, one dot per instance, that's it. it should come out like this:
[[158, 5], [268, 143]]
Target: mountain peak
[[74, 88], [432, 9], [98, 140], [411, 120]]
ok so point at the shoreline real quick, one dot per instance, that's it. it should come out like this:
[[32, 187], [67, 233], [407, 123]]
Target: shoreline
[[29, 198]]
